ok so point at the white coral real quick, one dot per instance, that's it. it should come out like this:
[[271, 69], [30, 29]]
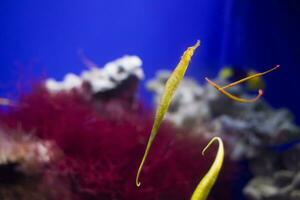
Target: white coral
[[106, 78], [70, 82]]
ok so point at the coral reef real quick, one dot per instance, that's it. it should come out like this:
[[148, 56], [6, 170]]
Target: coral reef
[[109, 77], [102, 139], [82, 138], [279, 179], [28, 153], [102, 143], [25, 167]]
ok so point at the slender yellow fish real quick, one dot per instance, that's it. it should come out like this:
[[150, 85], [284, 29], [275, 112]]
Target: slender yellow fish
[[170, 87], [238, 99], [202, 190], [241, 100]]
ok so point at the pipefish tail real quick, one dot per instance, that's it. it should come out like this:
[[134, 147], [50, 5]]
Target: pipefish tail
[[202, 190], [166, 98]]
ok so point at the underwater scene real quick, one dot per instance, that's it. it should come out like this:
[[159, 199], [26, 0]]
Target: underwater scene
[[149, 100]]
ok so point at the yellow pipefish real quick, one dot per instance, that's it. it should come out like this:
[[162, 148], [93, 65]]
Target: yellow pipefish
[[202, 190], [170, 87], [241, 100]]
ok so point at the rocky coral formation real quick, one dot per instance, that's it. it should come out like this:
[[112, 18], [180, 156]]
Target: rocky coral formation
[[103, 143], [103, 138], [283, 185], [109, 77], [249, 128], [27, 153], [280, 180], [25, 170]]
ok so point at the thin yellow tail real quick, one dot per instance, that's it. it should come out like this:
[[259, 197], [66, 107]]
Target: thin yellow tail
[[202, 190]]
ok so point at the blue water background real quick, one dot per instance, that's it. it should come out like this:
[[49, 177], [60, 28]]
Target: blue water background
[[42, 38]]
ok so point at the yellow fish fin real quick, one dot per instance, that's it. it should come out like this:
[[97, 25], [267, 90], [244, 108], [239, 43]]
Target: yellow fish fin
[[225, 73]]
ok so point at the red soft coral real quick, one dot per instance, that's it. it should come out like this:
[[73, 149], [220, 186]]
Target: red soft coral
[[103, 142]]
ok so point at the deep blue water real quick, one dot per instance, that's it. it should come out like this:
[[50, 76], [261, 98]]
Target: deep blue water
[[42, 38]]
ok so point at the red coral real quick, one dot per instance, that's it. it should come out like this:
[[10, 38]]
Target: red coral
[[103, 143]]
